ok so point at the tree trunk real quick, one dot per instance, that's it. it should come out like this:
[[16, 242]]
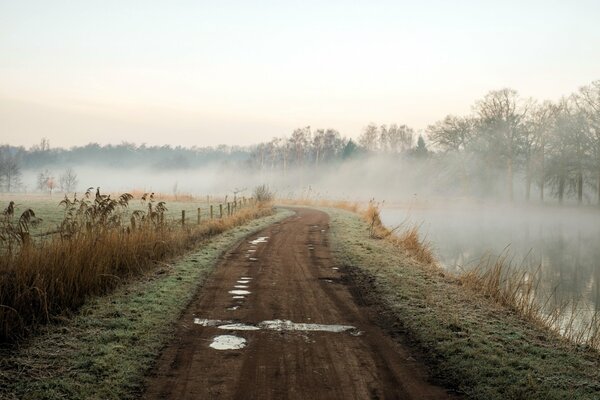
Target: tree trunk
[[509, 178], [561, 190], [528, 183], [579, 187], [598, 188]]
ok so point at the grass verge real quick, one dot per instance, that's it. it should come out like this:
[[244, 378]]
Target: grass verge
[[471, 343], [105, 350]]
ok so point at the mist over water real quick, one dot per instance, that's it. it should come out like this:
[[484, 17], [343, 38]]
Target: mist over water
[[563, 242]]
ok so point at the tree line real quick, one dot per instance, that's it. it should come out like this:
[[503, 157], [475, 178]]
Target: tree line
[[550, 149], [550, 146]]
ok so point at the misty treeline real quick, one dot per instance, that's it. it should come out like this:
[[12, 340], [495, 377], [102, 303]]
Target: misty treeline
[[508, 147], [550, 149], [56, 168]]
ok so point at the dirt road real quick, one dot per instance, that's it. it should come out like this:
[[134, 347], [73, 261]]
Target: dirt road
[[292, 328]]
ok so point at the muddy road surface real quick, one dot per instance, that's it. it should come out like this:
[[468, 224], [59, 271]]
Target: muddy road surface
[[276, 321]]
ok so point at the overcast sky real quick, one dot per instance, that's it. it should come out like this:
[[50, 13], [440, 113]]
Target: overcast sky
[[238, 72]]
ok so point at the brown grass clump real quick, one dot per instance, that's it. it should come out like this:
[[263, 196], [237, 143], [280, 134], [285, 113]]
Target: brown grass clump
[[98, 245]]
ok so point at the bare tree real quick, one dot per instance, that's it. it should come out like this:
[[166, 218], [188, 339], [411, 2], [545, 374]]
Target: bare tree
[[501, 114], [370, 136], [452, 133], [68, 180], [588, 101]]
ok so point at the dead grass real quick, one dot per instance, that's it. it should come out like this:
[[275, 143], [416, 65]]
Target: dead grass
[[517, 289], [99, 245]]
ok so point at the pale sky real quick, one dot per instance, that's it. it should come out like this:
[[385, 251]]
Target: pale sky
[[238, 72]]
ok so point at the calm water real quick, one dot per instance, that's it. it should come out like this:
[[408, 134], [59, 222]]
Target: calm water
[[564, 242]]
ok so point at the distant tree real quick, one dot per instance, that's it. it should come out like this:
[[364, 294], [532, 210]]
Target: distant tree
[[452, 133], [10, 170], [420, 151], [368, 140], [350, 150], [588, 101], [46, 181], [501, 115], [299, 143], [538, 126], [68, 180]]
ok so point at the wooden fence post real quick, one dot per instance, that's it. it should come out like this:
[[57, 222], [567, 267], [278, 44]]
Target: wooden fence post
[[221, 210], [211, 211], [198, 215], [182, 217]]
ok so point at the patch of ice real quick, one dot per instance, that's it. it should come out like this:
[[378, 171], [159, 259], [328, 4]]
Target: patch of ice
[[228, 342], [239, 292], [239, 327], [262, 239], [287, 325]]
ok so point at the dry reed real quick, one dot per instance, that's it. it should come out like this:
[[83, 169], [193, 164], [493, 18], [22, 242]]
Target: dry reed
[[99, 245]]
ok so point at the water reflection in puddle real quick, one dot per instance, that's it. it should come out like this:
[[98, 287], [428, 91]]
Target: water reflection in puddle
[[262, 239], [228, 342], [278, 325], [239, 327], [239, 292], [241, 286]]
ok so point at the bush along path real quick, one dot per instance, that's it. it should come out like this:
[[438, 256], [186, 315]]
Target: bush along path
[[470, 343], [104, 351]]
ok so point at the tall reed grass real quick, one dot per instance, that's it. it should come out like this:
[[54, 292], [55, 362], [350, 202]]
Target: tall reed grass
[[517, 287], [98, 245]]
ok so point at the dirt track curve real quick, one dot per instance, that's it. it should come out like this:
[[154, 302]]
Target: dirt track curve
[[291, 277]]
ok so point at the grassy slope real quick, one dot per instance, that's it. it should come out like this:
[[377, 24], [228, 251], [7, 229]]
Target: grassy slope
[[480, 349], [106, 349]]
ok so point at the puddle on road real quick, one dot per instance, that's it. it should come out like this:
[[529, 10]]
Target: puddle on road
[[239, 297], [233, 308], [251, 250], [262, 239], [245, 278], [239, 327], [253, 259], [210, 322], [335, 268], [241, 286], [278, 325], [243, 281], [228, 342], [239, 292], [287, 325]]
